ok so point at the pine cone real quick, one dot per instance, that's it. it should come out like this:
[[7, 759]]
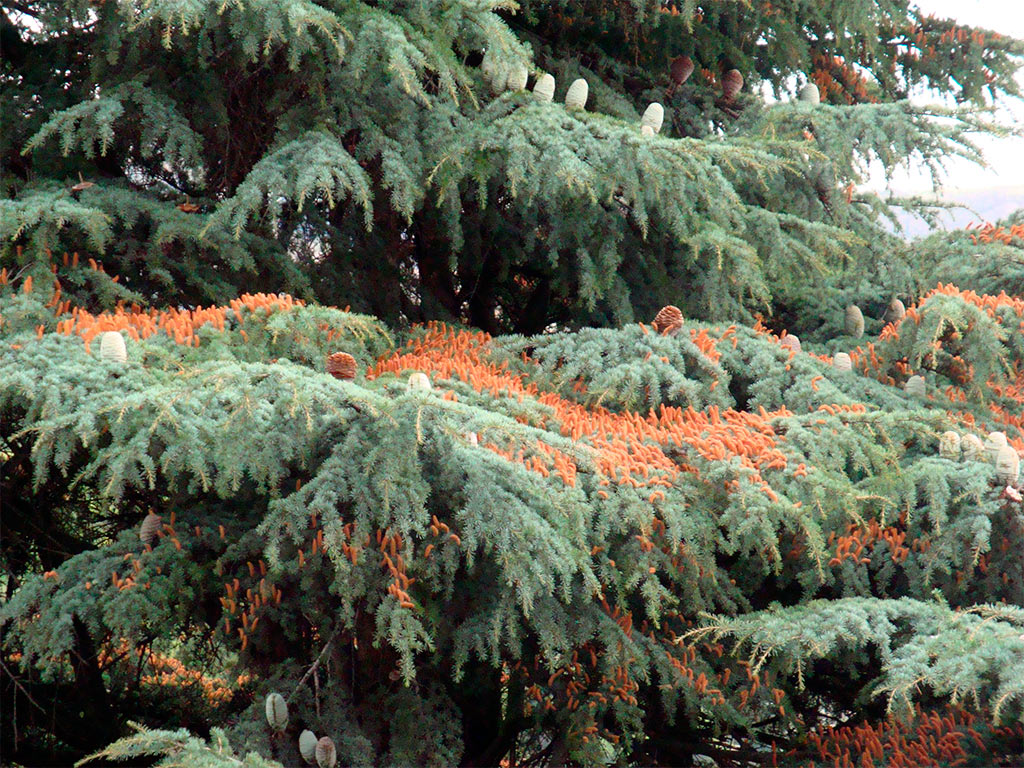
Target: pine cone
[[949, 445], [668, 321], [842, 361], [149, 528], [895, 312], [544, 88], [307, 746], [1007, 465], [517, 78], [973, 448], [810, 94], [418, 382], [576, 96], [916, 386], [994, 444], [732, 84], [680, 69], [341, 365], [277, 712], [854, 321], [789, 341], [326, 755], [112, 347], [653, 116]]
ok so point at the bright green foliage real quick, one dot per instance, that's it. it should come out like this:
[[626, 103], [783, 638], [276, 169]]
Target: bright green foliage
[[356, 154]]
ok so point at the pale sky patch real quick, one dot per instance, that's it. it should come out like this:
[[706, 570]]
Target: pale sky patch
[[1005, 156]]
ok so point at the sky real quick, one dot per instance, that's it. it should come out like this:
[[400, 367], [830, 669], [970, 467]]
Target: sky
[[1005, 17]]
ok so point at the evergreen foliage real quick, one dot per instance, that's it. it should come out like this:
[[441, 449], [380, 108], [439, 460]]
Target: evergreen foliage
[[530, 529], [330, 149], [609, 545]]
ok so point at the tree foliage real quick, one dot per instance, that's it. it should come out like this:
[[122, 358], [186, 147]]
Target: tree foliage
[[533, 528], [604, 545], [331, 149]]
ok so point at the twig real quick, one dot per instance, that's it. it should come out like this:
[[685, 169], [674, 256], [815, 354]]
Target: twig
[[315, 664], [21, 688]]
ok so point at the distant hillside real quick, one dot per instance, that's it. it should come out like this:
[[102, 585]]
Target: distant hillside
[[981, 205]]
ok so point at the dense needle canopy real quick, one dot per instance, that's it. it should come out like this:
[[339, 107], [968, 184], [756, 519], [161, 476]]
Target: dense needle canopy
[[531, 529]]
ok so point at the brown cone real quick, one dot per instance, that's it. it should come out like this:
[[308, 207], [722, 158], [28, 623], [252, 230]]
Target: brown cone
[[149, 528], [732, 84], [668, 320], [681, 69], [341, 365]]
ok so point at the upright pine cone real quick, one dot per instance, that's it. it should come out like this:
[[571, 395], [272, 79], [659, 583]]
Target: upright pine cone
[[810, 94], [277, 712], [341, 365], [517, 78], [732, 84], [895, 312], [654, 116], [326, 754], [307, 746], [916, 386], [949, 445], [973, 448], [149, 528], [544, 88], [668, 321], [112, 347], [1007, 465], [854, 321], [576, 96], [995, 443], [681, 68]]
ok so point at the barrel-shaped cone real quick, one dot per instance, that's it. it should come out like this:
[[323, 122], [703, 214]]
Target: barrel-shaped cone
[[810, 94], [544, 88], [576, 96], [654, 116]]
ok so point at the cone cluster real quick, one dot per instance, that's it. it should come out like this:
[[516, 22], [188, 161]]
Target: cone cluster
[[995, 450], [500, 77]]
